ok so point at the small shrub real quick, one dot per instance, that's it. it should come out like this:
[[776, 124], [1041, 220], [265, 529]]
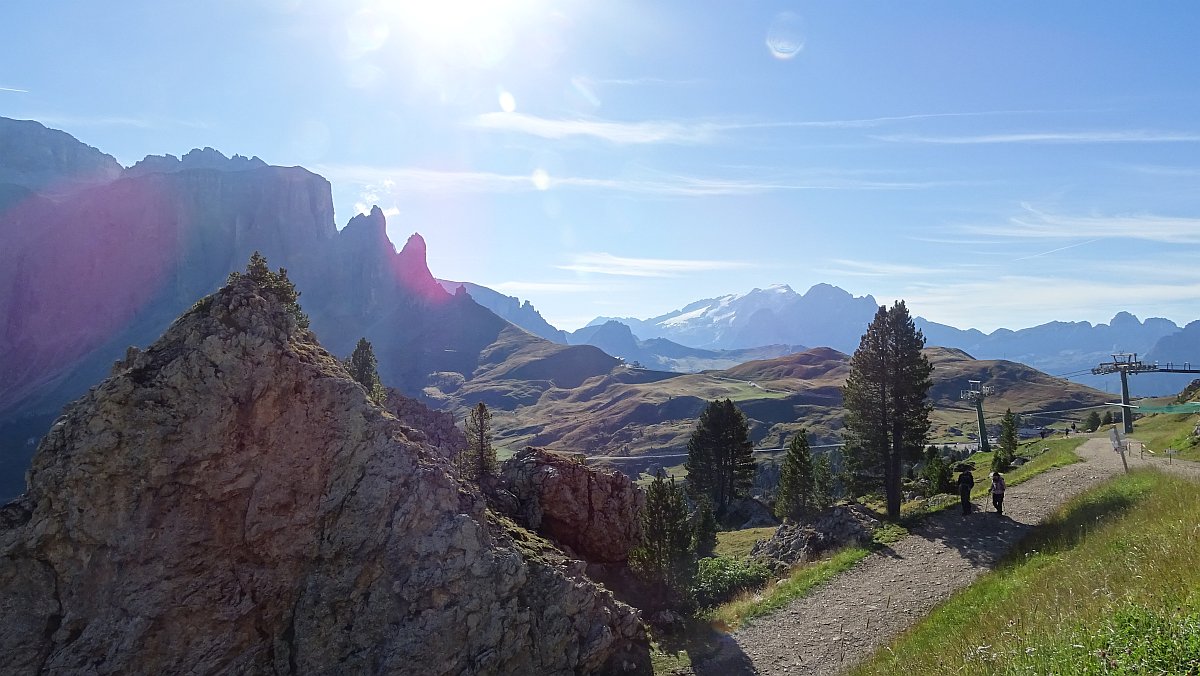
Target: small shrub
[[720, 578]]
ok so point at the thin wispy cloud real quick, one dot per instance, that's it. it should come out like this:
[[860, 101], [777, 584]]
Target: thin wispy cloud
[[117, 121], [691, 132], [14, 90], [1036, 224], [621, 133], [608, 264], [1039, 299], [651, 81], [860, 268], [379, 179], [515, 287], [1126, 136]]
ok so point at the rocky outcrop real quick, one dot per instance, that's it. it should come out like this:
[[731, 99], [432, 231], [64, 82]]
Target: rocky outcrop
[[593, 513], [230, 501], [837, 527], [437, 428]]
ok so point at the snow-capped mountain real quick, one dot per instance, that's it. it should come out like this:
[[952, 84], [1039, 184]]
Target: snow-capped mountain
[[824, 315]]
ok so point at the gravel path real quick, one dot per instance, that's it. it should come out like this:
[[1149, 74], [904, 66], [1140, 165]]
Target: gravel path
[[845, 620]]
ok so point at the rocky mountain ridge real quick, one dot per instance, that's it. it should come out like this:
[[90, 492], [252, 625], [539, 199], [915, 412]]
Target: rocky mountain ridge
[[230, 501]]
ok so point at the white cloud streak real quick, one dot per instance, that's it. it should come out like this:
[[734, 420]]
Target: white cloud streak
[[1119, 136], [544, 287], [1035, 224], [690, 132], [608, 264], [1039, 299], [859, 268], [14, 90], [410, 179], [621, 133]]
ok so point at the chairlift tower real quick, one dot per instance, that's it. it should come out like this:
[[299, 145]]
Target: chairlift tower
[[1128, 362], [976, 391]]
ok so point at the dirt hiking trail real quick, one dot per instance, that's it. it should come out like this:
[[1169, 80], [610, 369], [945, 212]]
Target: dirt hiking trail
[[848, 618]]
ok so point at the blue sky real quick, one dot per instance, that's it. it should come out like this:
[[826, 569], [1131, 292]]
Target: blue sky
[[994, 164]]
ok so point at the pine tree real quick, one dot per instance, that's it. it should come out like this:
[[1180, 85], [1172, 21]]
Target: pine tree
[[1006, 450], [664, 556], [704, 532], [887, 409], [363, 369], [274, 284], [720, 465], [936, 473], [477, 462], [1092, 423], [797, 493], [823, 480], [1107, 419]]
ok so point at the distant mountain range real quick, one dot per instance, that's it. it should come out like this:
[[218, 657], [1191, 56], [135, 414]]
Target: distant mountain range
[[717, 333], [827, 315]]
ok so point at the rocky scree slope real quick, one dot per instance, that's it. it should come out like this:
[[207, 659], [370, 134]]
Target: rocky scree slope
[[230, 501]]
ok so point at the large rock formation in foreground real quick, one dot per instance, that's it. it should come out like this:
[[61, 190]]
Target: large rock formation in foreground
[[593, 512], [229, 501]]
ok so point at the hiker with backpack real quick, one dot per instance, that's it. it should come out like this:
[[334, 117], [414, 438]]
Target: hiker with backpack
[[997, 491], [965, 483]]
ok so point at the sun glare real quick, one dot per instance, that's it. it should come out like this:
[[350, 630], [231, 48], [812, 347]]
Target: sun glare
[[468, 32]]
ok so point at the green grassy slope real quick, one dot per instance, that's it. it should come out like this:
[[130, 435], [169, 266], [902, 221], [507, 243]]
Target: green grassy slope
[[1107, 585]]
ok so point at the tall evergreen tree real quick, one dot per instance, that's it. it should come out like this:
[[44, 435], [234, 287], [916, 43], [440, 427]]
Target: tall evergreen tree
[[704, 532], [720, 464], [797, 493], [477, 462], [1092, 423], [1107, 419], [1006, 450], [664, 556], [886, 402], [363, 368]]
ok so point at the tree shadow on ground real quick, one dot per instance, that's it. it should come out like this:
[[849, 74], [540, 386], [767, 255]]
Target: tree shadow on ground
[[711, 652], [985, 538], [981, 537]]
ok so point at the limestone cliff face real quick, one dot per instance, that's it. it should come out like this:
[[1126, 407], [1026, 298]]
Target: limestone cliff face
[[229, 501]]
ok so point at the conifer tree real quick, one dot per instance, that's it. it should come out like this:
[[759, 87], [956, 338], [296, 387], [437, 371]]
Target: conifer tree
[[1092, 423], [797, 493], [1107, 419], [275, 284], [477, 462], [363, 368], [704, 533], [664, 556], [720, 465], [887, 408], [936, 473], [1006, 450]]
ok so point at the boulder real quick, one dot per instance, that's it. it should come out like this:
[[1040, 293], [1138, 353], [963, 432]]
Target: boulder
[[592, 512], [837, 527], [230, 501]]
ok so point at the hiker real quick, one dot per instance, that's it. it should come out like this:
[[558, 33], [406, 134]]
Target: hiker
[[998, 493], [965, 483]]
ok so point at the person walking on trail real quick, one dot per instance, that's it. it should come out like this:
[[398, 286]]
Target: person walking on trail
[[965, 483], [998, 493]]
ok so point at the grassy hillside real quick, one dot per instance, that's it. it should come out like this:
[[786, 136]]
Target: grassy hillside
[[1108, 585], [629, 411]]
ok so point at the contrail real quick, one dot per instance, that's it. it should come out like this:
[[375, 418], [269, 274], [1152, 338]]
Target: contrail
[[1061, 248]]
